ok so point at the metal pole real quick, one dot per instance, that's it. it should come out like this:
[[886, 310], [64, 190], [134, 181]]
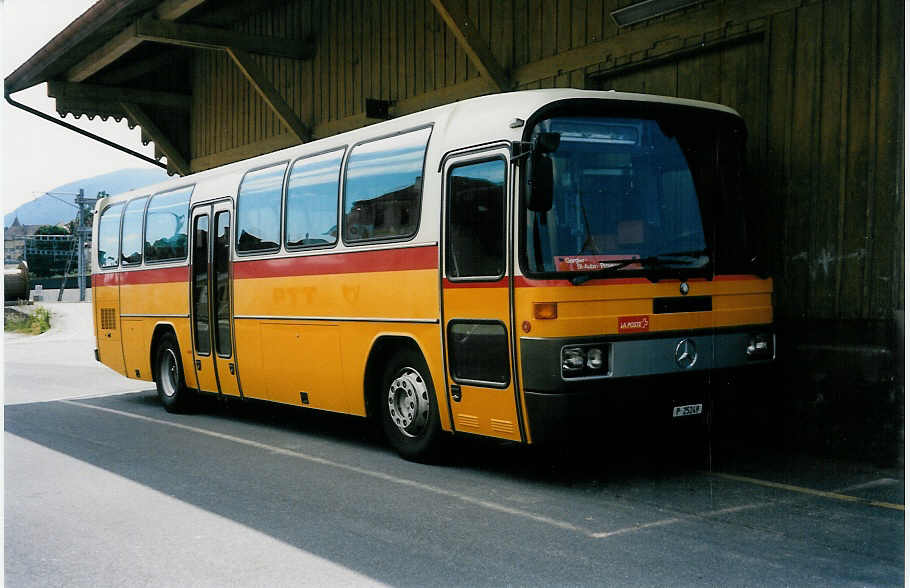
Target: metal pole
[[80, 243]]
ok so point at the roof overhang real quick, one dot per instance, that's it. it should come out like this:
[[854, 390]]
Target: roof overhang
[[92, 29]]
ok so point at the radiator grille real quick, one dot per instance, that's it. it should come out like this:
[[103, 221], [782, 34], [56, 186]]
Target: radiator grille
[[108, 318]]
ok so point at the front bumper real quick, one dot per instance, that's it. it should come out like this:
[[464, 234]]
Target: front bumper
[[629, 407], [642, 384]]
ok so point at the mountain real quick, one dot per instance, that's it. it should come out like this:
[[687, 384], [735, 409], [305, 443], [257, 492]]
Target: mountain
[[48, 210]]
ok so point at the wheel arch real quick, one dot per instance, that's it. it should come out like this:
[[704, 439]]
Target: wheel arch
[[384, 346]]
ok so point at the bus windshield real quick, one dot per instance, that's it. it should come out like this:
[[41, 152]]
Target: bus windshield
[[638, 194]]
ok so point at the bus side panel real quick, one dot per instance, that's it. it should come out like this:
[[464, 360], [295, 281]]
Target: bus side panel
[[141, 296], [106, 303], [289, 338], [303, 358], [135, 348]]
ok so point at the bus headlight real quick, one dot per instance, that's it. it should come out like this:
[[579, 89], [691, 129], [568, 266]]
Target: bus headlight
[[761, 346], [573, 360], [595, 358], [585, 361]]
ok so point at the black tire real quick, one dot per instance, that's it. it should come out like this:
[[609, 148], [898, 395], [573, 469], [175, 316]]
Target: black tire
[[169, 379], [406, 401]]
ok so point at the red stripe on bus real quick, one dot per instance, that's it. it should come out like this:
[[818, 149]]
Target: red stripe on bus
[[104, 280], [162, 275], [448, 284], [523, 282], [155, 276], [385, 260]]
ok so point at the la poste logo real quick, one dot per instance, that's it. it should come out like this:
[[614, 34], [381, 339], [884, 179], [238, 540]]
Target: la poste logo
[[634, 324]]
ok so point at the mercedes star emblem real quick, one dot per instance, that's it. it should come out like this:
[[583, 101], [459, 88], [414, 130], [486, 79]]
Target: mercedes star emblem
[[686, 353]]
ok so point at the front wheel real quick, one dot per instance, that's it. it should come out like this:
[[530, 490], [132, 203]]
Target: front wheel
[[172, 390], [407, 403]]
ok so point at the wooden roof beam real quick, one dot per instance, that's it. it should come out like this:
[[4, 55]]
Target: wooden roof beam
[[140, 68], [202, 37], [252, 72], [174, 9], [124, 41], [57, 89], [456, 18], [175, 160]]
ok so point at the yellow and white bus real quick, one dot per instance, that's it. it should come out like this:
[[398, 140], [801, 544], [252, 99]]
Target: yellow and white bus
[[513, 266]]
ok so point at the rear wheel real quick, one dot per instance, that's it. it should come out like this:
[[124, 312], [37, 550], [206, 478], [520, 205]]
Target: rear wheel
[[172, 390], [407, 405]]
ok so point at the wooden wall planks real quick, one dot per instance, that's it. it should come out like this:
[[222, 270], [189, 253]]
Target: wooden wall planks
[[820, 86]]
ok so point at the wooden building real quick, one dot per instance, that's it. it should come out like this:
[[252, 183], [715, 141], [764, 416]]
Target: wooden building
[[819, 83]]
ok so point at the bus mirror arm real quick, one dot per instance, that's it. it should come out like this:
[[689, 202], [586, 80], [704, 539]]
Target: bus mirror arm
[[520, 150]]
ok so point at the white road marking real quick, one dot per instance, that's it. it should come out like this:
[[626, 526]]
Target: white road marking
[[350, 468]]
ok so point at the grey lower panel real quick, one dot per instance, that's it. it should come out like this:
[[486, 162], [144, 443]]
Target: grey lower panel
[[641, 356]]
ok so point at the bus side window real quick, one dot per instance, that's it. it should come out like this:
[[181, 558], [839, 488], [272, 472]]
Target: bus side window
[[476, 220], [259, 209], [382, 187], [312, 202], [109, 236], [166, 225], [131, 241]]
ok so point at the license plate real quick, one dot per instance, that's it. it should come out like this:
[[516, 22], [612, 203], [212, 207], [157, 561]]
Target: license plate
[[687, 410]]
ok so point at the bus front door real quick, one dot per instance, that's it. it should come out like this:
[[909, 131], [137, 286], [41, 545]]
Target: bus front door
[[210, 292], [476, 296]]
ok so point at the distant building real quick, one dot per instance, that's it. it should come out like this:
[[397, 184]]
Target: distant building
[[14, 240]]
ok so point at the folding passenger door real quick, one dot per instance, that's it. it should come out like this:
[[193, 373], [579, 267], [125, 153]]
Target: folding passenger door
[[222, 299], [210, 298], [477, 325]]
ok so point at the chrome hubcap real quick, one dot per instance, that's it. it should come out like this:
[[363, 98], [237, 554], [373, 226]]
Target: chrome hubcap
[[409, 402], [168, 372]]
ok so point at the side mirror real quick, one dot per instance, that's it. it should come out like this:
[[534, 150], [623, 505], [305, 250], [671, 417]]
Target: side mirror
[[540, 188], [546, 142]]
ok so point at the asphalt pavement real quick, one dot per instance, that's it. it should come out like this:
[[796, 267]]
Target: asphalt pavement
[[103, 487]]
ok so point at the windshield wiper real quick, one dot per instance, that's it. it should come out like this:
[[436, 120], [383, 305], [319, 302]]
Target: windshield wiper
[[649, 264], [677, 260]]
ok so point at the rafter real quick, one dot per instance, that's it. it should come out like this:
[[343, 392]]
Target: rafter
[[121, 44], [456, 18], [140, 68], [214, 38], [175, 160], [124, 41], [251, 70], [174, 9], [114, 94]]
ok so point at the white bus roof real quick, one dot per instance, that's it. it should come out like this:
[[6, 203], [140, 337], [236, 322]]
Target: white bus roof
[[472, 121]]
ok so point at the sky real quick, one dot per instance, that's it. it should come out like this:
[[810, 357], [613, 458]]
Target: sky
[[36, 155]]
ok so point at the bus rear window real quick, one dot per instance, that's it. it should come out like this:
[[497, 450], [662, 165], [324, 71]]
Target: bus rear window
[[131, 243], [382, 187], [109, 236]]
